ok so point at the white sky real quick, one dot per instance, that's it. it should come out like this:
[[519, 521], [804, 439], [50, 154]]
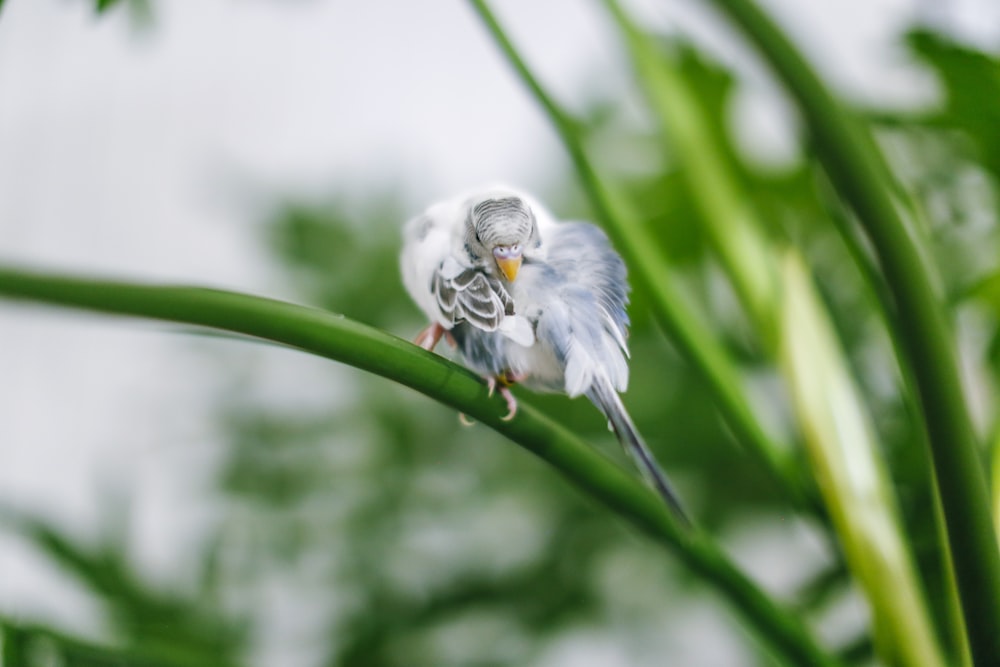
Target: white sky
[[144, 154]]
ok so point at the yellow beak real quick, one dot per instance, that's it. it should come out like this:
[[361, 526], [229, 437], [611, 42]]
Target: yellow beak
[[509, 266]]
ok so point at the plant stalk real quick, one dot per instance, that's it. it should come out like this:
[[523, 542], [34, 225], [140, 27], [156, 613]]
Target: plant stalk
[[847, 154], [335, 337]]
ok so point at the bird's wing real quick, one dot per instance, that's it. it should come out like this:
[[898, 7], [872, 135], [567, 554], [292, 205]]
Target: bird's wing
[[583, 293], [467, 294], [595, 294], [582, 254]]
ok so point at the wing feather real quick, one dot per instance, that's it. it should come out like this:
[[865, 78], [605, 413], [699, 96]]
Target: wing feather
[[586, 324], [473, 297], [582, 254]]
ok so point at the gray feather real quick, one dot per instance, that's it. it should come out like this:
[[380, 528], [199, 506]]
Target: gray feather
[[501, 220], [495, 219], [607, 399], [473, 297]]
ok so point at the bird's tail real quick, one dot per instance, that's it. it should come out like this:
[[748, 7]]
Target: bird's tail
[[604, 396]]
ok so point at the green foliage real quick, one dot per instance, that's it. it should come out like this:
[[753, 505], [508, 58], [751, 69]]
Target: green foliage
[[152, 627], [105, 5], [971, 82], [140, 11]]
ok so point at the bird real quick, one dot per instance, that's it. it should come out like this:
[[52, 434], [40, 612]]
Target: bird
[[528, 299]]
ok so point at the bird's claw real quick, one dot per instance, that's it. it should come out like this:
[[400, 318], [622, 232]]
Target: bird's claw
[[430, 336], [502, 384], [511, 404]]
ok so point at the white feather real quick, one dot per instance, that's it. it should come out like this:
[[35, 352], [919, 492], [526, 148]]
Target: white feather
[[426, 240], [518, 329], [579, 371]]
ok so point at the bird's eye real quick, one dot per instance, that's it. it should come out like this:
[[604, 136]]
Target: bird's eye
[[515, 247]]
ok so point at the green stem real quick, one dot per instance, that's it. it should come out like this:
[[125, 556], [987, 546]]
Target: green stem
[[995, 478], [841, 443], [795, 327], [847, 154], [726, 212], [878, 291], [694, 339], [335, 337]]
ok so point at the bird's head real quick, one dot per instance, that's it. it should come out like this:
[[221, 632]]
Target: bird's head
[[500, 231]]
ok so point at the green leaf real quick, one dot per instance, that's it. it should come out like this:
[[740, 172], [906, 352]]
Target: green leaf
[[971, 82], [104, 5]]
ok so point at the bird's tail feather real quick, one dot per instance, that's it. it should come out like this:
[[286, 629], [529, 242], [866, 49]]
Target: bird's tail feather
[[606, 398]]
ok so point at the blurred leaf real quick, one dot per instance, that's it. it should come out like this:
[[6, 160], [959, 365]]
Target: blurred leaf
[[104, 5], [27, 645], [852, 475], [140, 12], [339, 257], [971, 81], [162, 626]]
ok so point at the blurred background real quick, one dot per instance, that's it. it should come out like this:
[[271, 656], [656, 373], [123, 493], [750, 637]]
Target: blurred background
[[189, 500]]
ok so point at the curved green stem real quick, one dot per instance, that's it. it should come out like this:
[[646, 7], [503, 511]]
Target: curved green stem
[[847, 154], [692, 336], [336, 337]]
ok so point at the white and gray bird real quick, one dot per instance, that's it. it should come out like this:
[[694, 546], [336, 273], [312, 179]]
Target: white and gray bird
[[527, 299]]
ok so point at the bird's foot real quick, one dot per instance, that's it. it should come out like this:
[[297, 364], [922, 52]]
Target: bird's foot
[[512, 378], [502, 383], [430, 336]]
